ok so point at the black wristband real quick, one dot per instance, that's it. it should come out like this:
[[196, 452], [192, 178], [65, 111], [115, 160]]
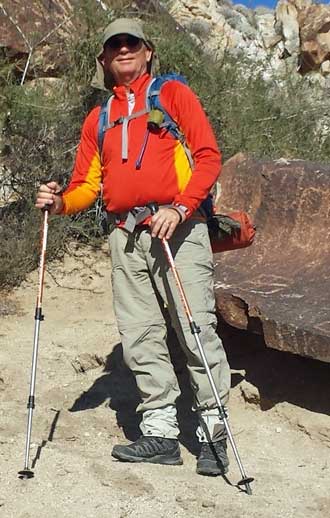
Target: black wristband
[[178, 211]]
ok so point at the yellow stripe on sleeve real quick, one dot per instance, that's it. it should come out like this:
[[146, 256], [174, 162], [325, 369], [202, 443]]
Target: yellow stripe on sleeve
[[84, 195], [182, 166]]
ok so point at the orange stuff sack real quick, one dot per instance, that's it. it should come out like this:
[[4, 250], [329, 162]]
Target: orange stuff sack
[[231, 231]]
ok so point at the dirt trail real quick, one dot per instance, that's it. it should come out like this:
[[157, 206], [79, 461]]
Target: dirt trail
[[85, 400]]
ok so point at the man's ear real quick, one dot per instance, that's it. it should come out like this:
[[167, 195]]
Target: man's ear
[[149, 55]]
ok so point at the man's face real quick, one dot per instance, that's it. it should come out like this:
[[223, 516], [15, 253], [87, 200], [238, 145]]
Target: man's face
[[126, 58]]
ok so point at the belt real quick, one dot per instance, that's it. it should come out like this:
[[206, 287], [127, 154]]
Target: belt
[[135, 217], [131, 218]]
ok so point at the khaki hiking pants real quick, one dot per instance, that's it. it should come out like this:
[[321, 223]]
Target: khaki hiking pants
[[141, 282]]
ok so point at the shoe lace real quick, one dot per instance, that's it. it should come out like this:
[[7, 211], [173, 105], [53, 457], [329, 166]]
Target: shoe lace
[[148, 444]]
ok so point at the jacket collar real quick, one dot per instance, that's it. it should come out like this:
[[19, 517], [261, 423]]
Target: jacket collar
[[137, 87]]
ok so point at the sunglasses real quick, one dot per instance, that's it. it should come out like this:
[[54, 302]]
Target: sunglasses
[[116, 42]]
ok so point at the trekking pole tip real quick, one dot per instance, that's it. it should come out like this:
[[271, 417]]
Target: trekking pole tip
[[246, 482], [25, 474]]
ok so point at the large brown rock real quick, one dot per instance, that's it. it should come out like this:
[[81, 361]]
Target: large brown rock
[[39, 27], [280, 286]]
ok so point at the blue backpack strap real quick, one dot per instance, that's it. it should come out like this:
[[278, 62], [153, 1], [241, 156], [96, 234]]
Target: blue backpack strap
[[103, 122], [153, 103]]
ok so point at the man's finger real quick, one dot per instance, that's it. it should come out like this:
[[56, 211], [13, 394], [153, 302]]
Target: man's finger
[[170, 230], [164, 229], [54, 187], [155, 227]]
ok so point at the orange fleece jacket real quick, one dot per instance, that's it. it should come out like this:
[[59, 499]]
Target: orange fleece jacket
[[165, 175]]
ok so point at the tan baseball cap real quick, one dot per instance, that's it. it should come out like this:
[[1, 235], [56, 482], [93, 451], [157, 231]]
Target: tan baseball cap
[[124, 26]]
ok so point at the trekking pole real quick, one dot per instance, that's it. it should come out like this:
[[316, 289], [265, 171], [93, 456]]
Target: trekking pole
[[27, 472], [195, 330]]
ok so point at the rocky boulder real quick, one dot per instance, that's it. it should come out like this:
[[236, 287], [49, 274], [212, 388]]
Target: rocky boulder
[[315, 37], [280, 286], [33, 33], [293, 37]]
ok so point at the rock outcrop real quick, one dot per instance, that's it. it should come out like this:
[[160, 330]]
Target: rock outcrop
[[315, 38], [280, 286], [295, 37]]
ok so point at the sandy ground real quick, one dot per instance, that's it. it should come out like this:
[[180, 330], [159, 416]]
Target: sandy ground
[[85, 401]]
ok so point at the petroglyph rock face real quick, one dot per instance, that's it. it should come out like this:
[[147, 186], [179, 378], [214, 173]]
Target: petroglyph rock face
[[280, 286]]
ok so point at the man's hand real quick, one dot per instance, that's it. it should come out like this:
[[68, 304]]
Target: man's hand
[[164, 222], [49, 197]]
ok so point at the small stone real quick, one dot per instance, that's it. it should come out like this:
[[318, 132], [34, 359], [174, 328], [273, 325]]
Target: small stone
[[250, 393], [85, 361], [208, 503], [278, 429], [325, 67]]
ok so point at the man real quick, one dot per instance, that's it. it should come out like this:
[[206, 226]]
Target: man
[[141, 280]]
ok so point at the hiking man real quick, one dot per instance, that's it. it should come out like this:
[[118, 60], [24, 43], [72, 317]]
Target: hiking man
[[137, 166]]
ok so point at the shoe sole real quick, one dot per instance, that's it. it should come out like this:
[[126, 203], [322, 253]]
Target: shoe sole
[[157, 459], [211, 470]]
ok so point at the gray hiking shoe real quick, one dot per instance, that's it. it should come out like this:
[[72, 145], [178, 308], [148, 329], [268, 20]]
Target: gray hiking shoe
[[156, 450], [213, 459]]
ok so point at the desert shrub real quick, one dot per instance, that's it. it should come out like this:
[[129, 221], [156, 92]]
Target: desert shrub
[[20, 231]]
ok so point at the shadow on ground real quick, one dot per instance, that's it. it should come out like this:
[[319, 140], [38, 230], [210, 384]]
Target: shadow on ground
[[117, 385], [279, 376]]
